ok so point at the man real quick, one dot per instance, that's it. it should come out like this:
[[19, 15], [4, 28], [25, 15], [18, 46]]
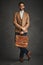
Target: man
[[21, 22]]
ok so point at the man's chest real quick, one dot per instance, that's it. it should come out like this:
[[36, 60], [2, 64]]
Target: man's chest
[[21, 17], [21, 21]]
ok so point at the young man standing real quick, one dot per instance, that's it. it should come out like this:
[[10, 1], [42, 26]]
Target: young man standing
[[22, 23]]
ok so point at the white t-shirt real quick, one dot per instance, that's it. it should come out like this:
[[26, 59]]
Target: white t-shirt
[[21, 13]]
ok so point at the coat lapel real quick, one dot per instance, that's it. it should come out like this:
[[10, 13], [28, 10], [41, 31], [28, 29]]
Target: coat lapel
[[23, 16]]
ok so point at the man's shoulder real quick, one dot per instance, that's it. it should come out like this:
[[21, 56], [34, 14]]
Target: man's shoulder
[[26, 13], [16, 13]]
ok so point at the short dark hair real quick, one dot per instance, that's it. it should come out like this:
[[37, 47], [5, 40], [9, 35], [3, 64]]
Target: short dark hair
[[21, 3]]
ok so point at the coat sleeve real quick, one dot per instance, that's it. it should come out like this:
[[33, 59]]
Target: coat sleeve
[[15, 21], [27, 22]]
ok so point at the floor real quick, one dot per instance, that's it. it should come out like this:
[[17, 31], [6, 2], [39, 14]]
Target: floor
[[35, 60]]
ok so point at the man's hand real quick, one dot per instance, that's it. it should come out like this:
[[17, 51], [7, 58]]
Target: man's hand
[[24, 29]]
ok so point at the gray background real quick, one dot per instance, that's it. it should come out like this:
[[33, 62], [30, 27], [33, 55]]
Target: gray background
[[8, 51]]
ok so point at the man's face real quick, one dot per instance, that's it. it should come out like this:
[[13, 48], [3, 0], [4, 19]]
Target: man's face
[[21, 6]]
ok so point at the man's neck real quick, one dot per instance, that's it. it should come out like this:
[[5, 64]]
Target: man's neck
[[22, 10]]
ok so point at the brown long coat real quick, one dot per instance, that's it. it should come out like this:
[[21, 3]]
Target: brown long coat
[[21, 23]]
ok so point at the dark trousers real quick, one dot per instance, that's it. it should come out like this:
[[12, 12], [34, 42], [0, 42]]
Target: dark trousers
[[22, 50]]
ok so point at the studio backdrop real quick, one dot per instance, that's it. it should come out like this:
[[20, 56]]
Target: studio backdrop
[[7, 28]]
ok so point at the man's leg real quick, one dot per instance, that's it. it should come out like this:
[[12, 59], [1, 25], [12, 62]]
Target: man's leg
[[28, 53], [25, 50], [21, 54]]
